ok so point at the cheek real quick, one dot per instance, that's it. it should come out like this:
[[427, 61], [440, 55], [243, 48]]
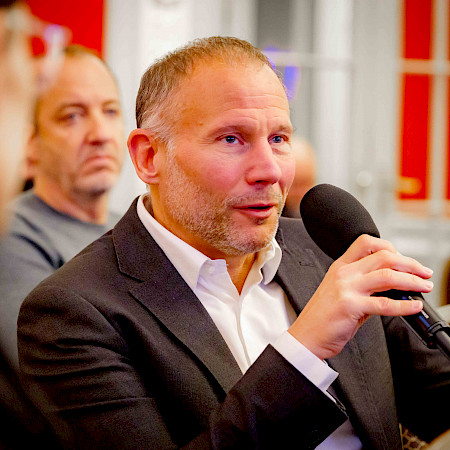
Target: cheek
[[117, 130], [288, 174], [53, 137], [60, 152], [220, 177], [121, 151], [213, 174]]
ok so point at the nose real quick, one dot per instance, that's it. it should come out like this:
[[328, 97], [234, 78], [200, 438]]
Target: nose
[[99, 128], [263, 165]]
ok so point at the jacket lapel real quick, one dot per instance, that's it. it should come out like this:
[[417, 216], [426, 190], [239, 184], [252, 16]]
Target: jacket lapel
[[299, 273], [185, 317], [175, 305]]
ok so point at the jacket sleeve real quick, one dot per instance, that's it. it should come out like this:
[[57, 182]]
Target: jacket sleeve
[[24, 264], [421, 381], [77, 365]]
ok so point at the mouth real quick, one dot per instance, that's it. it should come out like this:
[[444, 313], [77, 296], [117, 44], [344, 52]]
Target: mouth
[[258, 210], [100, 160], [259, 207], [99, 156]]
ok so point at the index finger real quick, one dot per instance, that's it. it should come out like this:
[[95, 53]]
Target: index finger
[[366, 245]]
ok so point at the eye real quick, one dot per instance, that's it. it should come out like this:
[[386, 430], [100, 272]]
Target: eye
[[278, 139], [230, 139], [70, 117], [112, 112]]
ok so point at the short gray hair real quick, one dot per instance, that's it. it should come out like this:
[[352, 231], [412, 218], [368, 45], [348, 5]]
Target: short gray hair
[[156, 107]]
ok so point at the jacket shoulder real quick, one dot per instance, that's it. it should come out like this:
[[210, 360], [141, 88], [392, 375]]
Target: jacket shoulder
[[292, 233]]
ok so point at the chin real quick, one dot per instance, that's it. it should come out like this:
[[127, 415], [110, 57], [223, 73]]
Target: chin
[[98, 184], [252, 242]]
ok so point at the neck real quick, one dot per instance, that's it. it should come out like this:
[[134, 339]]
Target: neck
[[238, 268], [87, 208]]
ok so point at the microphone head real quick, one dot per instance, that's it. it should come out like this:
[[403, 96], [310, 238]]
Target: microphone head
[[334, 219]]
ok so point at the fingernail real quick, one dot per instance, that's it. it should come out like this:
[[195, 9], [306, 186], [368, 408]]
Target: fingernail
[[416, 304], [428, 271], [429, 284]]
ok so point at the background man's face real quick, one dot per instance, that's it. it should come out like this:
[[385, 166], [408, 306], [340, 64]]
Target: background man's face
[[224, 184], [79, 142]]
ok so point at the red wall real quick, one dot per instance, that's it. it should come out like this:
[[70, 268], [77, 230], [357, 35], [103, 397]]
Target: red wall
[[83, 17], [416, 98]]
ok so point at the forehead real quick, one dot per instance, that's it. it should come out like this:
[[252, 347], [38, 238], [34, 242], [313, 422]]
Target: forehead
[[82, 79], [217, 90]]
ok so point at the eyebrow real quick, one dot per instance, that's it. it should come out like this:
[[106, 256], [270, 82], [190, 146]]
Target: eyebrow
[[239, 125], [83, 105], [286, 129]]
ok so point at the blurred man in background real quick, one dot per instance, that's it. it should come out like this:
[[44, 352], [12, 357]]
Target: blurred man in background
[[16, 100], [75, 154], [21, 425]]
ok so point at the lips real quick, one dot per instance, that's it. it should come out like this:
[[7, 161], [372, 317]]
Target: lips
[[257, 210], [100, 162], [259, 207], [99, 157]]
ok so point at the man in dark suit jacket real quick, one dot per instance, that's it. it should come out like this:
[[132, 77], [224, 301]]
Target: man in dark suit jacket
[[202, 320]]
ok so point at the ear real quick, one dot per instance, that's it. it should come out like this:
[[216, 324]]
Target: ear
[[143, 148], [31, 152]]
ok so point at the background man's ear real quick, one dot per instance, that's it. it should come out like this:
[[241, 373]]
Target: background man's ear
[[31, 156], [143, 148]]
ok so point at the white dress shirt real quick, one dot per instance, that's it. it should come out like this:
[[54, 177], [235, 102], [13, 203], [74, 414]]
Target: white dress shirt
[[249, 321]]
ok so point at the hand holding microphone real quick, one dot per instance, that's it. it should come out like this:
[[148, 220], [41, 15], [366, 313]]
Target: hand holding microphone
[[368, 278]]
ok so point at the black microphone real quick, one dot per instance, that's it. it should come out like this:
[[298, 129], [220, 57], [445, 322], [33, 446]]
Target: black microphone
[[334, 219]]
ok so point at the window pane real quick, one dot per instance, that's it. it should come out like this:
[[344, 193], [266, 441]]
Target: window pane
[[417, 28]]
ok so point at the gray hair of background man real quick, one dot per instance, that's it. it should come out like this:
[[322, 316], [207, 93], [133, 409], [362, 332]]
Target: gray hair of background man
[[156, 106], [77, 50]]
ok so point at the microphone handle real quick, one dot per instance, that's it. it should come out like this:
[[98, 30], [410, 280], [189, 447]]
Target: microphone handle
[[429, 326]]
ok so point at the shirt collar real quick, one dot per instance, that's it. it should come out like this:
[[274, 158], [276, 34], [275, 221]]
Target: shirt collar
[[188, 261], [268, 260]]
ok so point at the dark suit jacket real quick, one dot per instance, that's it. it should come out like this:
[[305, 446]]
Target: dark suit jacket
[[130, 359], [22, 426]]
